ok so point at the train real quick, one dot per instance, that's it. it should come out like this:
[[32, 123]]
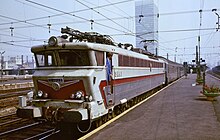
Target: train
[[216, 70], [77, 83]]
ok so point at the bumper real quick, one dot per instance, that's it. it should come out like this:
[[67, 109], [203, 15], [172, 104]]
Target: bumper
[[71, 115], [75, 116], [29, 112]]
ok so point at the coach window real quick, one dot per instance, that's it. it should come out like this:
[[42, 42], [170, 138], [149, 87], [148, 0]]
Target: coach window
[[126, 61], [120, 60]]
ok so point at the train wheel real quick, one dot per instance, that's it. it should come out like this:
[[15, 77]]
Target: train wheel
[[130, 104], [138, 99], [117, 111], [123, 108], [84, 126], [104, 118], [111, 115], [98, 122], [135, 100]]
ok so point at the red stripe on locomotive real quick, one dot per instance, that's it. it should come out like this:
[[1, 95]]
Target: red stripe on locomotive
[[65, 90]]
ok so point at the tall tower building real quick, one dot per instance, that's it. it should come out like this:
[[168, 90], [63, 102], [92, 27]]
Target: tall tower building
[[146, 23]]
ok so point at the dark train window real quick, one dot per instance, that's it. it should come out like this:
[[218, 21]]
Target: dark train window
[[74, 58], [45, 59], [137, 62], [120, 59], [132, 61], [126, 61], [99, 58]]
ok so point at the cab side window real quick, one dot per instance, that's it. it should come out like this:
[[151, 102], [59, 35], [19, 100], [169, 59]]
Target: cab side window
[[99, 58]]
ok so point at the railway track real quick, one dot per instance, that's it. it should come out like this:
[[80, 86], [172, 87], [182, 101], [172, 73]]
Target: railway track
[[13, 94], [36, 130], [9, 101], [217, 75], [12, 127], [8, 120], [11, 121]]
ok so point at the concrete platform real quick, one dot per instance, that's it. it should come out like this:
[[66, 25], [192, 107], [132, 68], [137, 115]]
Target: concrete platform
[[178, 112]]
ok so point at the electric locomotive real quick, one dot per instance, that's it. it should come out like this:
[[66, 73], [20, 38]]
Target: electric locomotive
[[73, 84]]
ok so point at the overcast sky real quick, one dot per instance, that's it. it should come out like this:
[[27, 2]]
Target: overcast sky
[[179, 24]]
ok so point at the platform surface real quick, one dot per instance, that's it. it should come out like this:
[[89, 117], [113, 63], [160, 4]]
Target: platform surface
[[177, 113]]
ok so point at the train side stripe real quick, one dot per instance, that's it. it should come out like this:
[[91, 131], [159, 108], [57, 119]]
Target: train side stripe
[[122, 81]]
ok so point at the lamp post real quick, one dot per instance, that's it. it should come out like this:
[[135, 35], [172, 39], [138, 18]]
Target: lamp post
[[198, 51], [2, 65]]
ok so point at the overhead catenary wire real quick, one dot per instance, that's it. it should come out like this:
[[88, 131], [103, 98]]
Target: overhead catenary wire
[[184, 12], [17, 36], [106, 9], [170, 41], [193, 54], [178, 12], [181, 39], [12, 44], [105, 16], [186, 38], [146, 15], [129, 17], [28, 4], [88, 20], [103, 8], [72, 12], [14, 19], [27, 40]]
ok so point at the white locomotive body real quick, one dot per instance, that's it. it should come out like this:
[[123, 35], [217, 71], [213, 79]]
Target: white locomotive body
[[71, 79]]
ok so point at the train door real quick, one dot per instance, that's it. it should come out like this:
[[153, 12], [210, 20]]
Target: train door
[[109, 92], [166, 73]]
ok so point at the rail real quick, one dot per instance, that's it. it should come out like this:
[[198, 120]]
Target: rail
[[5, 87], [35, 130]]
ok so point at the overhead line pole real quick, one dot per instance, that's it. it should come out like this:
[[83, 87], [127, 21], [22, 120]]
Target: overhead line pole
[[2, 65]]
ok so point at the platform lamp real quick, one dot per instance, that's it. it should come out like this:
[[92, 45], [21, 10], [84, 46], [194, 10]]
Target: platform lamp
[[2, 65]]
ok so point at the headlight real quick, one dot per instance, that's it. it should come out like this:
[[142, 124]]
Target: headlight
[[52, 41], [40, 93], [79, 95], [88, 98], [72, 96], [45, 95]]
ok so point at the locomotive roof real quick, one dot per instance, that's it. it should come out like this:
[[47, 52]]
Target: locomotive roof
[[74, 39], [66, 45]]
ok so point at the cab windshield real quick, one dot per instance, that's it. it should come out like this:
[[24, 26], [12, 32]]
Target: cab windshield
[[66, 58], [74, 58], [45, 59]]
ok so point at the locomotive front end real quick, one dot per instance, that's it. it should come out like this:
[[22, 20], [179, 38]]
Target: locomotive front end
[[62, 90], [68, 80], [58, 99]]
